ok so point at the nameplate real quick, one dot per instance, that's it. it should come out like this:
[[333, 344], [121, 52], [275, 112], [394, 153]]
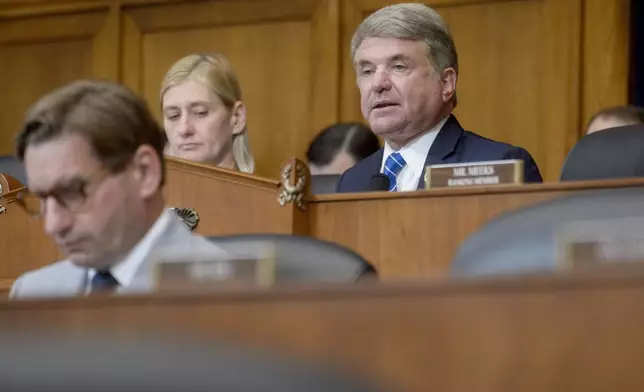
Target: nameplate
[[197, 273], [474, 174], [594, 243]]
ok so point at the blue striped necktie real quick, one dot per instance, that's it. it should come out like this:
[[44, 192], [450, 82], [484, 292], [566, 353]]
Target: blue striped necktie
[[393, 165]]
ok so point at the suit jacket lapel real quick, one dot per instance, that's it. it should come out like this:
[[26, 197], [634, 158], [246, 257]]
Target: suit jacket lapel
[[373, 165], [176, 234], [444, 144]]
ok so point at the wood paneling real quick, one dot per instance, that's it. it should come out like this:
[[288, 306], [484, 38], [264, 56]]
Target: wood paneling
[[417, 234], [411, 235], [606, 47], [228, 202], [556, 334], [5, 287], [532, 71], [43, 51], [24, 244], [284, 52]]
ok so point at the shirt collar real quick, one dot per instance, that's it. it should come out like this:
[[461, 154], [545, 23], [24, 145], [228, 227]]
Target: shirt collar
[[124, 270], [415, 152]]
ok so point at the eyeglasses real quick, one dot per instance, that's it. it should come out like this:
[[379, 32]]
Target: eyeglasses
[[72, 197]]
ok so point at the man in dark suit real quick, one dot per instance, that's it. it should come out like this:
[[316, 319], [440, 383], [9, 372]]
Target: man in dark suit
[[407, 68]]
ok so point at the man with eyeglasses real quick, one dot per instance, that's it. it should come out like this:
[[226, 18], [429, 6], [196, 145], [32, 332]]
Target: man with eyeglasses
[[93, 155]]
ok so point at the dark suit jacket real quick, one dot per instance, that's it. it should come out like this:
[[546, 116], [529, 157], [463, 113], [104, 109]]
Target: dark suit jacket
[[453, 144]]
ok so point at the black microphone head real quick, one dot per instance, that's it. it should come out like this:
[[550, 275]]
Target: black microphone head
[[380, 182]]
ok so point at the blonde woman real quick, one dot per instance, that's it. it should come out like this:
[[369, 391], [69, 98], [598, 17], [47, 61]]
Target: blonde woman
[[203, 114]]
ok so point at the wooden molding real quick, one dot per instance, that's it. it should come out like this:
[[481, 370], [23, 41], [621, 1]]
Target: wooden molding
[[226, 175]]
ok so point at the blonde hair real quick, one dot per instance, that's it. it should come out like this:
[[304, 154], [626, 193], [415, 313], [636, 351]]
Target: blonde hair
[[215, 72]]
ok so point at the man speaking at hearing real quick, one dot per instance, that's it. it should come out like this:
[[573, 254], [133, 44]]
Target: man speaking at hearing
[[407, 67], [94, 161]]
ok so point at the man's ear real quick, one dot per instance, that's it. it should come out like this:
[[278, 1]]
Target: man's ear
[[238, 118], [147, 170], [448, 82]]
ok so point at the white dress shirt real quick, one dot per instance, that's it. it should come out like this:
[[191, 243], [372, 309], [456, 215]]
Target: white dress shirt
[[415, 154], [124, 270]]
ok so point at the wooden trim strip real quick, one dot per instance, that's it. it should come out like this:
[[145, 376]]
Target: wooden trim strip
[[221, 174], [411, 289], [488, 190], [48, 9]]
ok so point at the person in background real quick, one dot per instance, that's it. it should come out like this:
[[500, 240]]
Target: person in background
[[614, 117], [203, 113], [407, 67], [338, 147], [93, 154]]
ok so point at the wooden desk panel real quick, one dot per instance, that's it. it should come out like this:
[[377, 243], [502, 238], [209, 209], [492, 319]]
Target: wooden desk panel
[[230, 202], [227, 203], [24, 245], [553, 334], [405, 235], [5, 287], [417, 234]]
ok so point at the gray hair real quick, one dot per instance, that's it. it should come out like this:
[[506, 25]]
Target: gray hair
[[414, 22]]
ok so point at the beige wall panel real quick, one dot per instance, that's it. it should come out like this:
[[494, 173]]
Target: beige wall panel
[[519, 71], [275, 47], [41, 52]]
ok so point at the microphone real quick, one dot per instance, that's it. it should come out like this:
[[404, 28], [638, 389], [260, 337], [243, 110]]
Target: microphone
[[380, 182]]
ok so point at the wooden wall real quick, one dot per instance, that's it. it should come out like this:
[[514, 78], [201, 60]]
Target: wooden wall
[[532, 71]]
